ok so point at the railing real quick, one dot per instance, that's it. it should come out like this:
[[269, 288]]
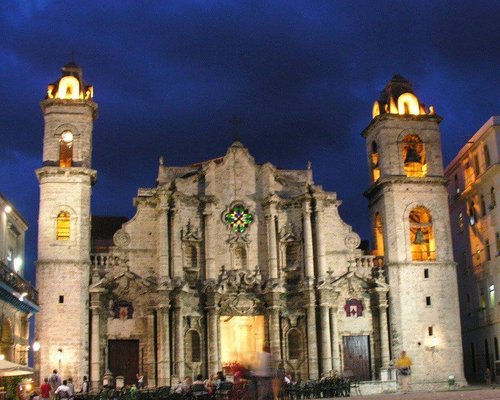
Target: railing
[[104, 260], [369, 262], [16, 282]]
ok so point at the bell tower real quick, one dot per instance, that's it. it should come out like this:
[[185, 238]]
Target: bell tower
[[62, 269], [408, 205]]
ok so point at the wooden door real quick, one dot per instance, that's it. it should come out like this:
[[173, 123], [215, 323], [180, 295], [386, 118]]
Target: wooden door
[[123, 359], [357, 356]]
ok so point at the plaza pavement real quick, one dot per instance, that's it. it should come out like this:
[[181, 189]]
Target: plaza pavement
[[469, 393]]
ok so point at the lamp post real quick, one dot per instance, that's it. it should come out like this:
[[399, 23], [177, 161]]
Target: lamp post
[[59, 358]]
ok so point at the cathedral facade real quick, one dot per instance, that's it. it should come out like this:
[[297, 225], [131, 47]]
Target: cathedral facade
[[228, 257]]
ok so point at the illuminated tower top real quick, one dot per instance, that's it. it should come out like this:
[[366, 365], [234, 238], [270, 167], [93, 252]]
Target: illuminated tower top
[[71, 85], [398, 98]]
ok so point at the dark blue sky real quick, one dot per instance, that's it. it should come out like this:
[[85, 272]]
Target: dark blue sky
[[303, 75]]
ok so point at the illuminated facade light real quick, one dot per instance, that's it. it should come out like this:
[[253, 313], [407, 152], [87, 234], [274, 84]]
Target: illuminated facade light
[[18, 263]]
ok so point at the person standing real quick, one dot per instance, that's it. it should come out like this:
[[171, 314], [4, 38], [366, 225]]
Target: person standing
[[45, 389], [487, 376], [403, 365], [64, 391], [85, 385], [140, 381], [71, 388], [54, 382]]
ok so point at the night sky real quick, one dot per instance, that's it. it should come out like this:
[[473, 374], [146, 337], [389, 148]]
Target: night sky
[[302, 75]]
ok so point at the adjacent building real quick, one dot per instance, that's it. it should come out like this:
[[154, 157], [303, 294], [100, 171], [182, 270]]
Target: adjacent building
[[18, 299], [227, 257], [474, 176]]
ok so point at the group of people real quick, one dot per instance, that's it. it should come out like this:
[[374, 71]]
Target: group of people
[[263, 381], [258, 384], [54, 388], [211, 385]]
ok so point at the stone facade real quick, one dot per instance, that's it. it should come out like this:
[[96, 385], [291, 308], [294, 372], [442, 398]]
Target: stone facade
[[473, 177], [18, 299], [231, 240]]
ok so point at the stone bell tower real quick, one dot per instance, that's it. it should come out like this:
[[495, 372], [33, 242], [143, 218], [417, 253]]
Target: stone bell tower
[[62, 269], [409, 212]]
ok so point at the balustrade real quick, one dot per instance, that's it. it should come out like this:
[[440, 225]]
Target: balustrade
[[104, 260]]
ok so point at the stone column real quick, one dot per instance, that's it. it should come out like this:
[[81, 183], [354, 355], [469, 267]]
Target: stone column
[[147, 364], [179, 342], [320, 241], [335, 340], [308, 241], [274, 332], [163, 356], [163, 256], [384, 332], [272, 249], [210, 270], [95, 351], [176, 247], [213, 340], [312, 348], [326, 346]]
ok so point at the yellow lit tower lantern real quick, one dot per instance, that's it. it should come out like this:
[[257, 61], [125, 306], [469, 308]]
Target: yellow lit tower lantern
[[66, 178], [408, 205]]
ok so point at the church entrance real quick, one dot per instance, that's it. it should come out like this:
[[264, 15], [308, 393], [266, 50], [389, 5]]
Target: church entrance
[[241, 337], [123, 359], [357, 356]]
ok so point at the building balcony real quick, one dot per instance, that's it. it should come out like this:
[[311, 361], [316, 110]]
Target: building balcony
[[16, 285]]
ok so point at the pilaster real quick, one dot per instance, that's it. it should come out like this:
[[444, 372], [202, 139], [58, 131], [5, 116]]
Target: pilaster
[[308, 240]]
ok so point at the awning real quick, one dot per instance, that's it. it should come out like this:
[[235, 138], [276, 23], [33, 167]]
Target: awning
[[8, 368]]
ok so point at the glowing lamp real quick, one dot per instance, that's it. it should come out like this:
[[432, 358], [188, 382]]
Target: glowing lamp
[[36, 345], [67, 136], [59, 354], [18, 263], [7, 209]]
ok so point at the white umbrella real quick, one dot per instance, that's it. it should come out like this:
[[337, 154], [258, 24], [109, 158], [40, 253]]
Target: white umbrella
[[8, 368]]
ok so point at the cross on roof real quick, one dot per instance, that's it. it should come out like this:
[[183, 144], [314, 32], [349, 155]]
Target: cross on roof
[[236, 122]]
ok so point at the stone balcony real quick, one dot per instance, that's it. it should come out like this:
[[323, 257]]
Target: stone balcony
[[16, 285]]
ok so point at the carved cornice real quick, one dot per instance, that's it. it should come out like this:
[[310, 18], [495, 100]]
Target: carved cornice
[[47, 172], [380, 119], [385, 183]]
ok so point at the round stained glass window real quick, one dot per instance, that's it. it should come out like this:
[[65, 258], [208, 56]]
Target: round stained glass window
[[238, 218]]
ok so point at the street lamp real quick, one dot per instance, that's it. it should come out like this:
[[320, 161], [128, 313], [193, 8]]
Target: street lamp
[[59, 358], [434, 343]]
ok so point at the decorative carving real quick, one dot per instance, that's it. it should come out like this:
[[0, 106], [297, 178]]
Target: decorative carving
[[121, 238], [290, 232], [237, 238], [123, 310], [240, 304], [189, 233], [352, 240], [239, 280]]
